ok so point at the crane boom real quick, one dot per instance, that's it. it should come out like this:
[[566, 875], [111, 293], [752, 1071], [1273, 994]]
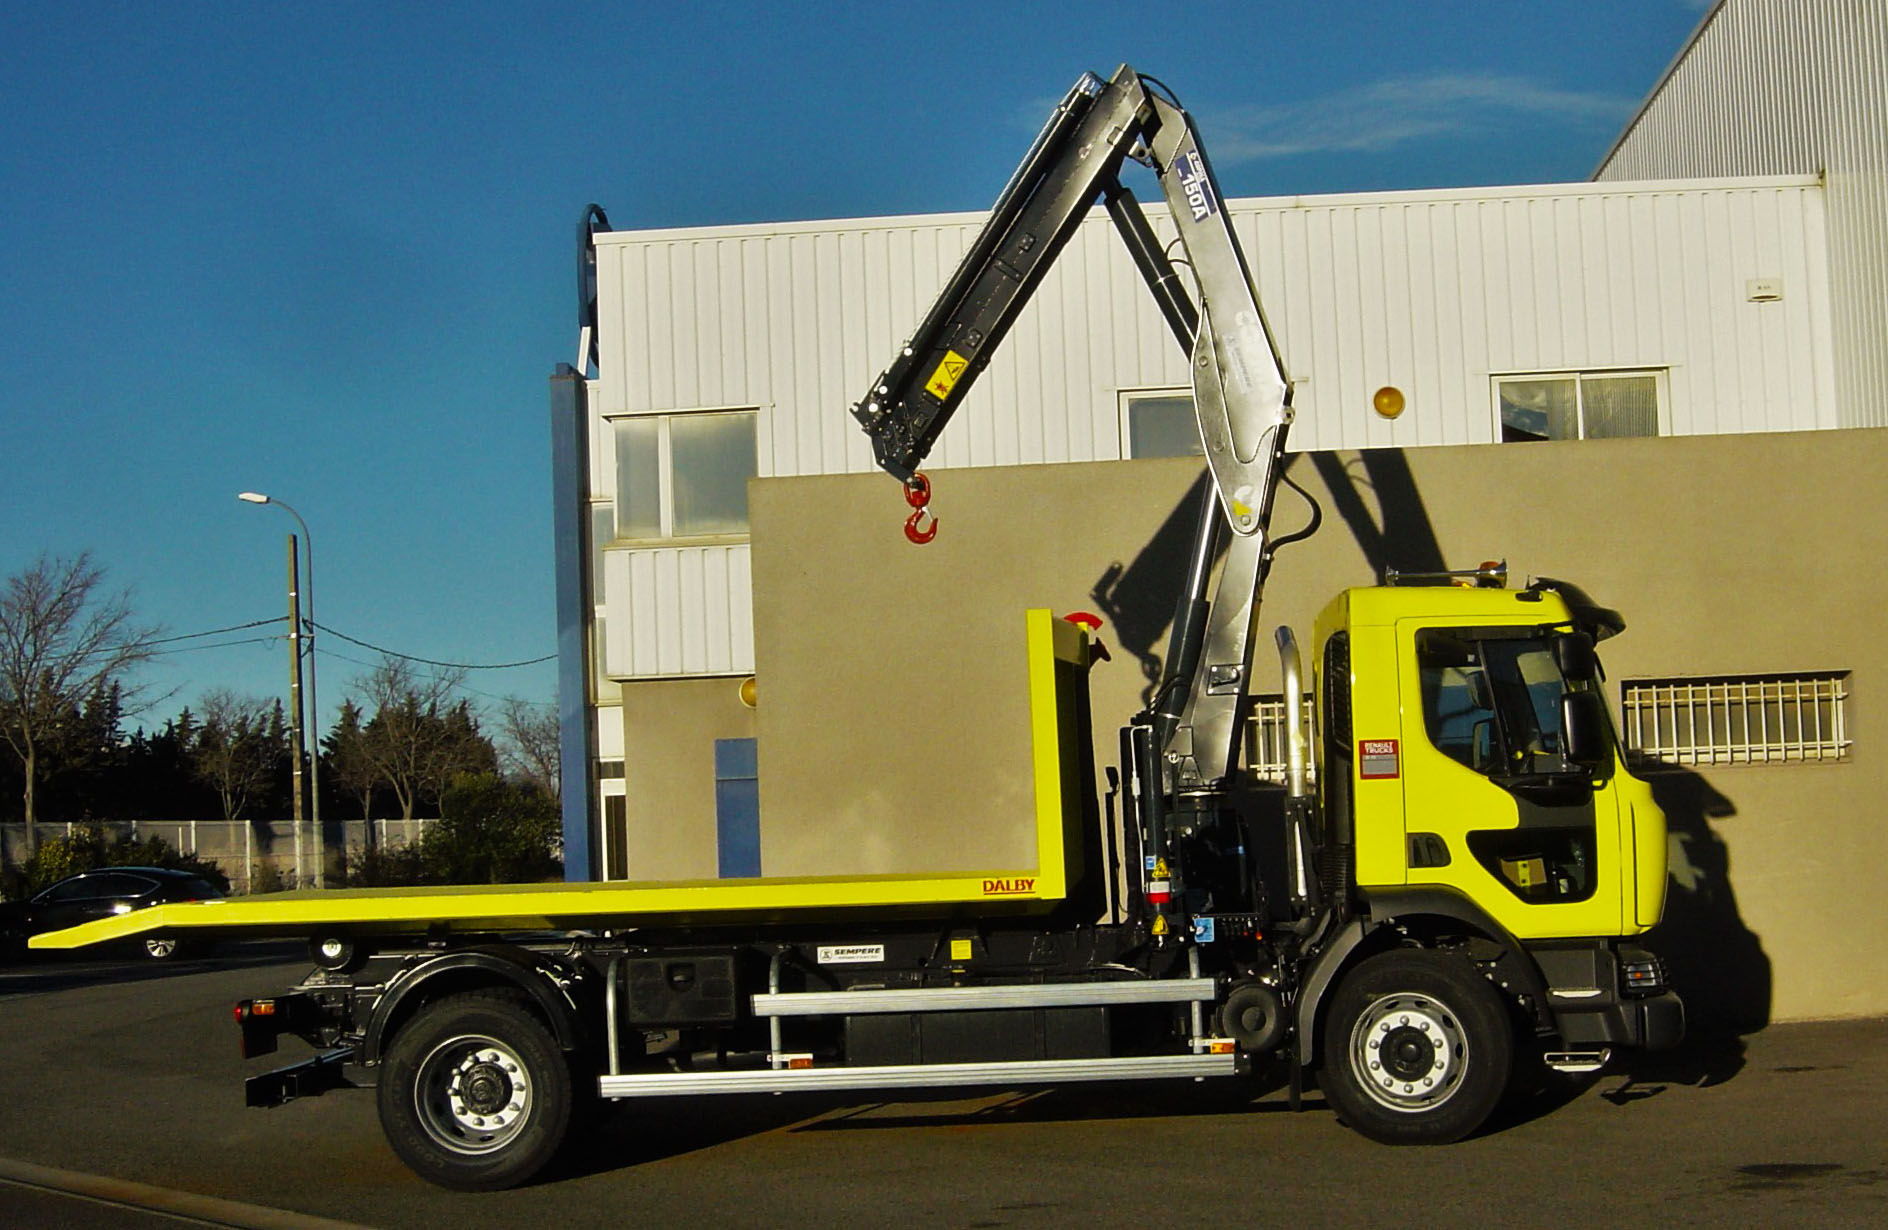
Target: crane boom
[[1241, 394]]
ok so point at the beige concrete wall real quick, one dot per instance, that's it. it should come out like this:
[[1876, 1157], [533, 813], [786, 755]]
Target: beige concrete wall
[[669, 732], [890, 675]]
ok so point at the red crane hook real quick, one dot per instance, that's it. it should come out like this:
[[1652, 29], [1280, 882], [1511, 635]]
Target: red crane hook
[[920, 526]]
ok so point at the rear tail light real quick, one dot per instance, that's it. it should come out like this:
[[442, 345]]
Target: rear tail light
[[1641, 973]]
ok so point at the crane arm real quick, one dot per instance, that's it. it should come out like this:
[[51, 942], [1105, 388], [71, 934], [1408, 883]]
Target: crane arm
[[1241, 394]]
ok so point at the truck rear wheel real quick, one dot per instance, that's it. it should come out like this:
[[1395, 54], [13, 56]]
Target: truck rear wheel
[[474, 1093], [1417, 1048]]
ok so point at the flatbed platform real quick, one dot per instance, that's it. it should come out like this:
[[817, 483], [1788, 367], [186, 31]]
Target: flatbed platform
[[1058, 654]]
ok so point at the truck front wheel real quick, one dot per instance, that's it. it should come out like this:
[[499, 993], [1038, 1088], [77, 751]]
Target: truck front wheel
[[1417, 1048], [474, 1093]]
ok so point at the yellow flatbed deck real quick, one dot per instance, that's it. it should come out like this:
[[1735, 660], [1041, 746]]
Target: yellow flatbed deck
[[1057, 665]]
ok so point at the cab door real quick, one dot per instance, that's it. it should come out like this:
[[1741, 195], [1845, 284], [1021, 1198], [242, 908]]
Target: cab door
[[1492, 805]]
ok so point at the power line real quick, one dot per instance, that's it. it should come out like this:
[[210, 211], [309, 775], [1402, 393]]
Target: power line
[[191, 636], [254, 640], [462, 666]]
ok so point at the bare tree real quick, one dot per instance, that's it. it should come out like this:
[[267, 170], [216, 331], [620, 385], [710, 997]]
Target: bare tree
[[529, 747], [63, 638], [233, 752], [421, 734]]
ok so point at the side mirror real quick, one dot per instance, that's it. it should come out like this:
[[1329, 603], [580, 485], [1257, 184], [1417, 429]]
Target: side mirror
[[1583, 730], [1573, 654]]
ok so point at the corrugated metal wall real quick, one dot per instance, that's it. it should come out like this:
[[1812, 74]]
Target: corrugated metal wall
[[1792, 87], [1434, 293], [1431, 292], [678, 611]]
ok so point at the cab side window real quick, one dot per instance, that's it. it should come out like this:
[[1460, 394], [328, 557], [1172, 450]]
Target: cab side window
[[1458, 703]]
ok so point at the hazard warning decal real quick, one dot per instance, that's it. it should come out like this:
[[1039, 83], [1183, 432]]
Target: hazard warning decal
[[1377, 758], [948, 373]]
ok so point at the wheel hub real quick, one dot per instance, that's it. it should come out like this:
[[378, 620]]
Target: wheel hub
[[1409, 1052], [485, 1089], [474, 1095]]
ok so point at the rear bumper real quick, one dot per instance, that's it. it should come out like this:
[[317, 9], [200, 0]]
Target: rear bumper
[[299, 1080]]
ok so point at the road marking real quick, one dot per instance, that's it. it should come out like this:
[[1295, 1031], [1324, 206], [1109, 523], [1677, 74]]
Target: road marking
[[143, 1196]]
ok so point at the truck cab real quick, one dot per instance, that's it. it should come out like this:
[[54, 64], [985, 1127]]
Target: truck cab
[[1475, 757]]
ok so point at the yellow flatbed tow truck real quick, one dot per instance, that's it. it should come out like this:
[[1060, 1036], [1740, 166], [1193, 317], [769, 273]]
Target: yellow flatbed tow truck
[[1464, 861]]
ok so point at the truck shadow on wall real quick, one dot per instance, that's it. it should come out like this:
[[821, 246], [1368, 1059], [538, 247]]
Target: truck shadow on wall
[[1715, 962], [1138, 596]]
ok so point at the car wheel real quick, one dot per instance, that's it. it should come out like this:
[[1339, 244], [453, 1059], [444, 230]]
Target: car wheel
[[474, 1093], [160, 947], [1417, 1048]]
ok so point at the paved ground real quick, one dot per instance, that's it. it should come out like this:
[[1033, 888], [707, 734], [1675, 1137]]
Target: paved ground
[[132, 1073]]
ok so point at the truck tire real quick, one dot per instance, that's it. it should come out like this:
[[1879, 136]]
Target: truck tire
[[474, 1093], [1417, 1048]]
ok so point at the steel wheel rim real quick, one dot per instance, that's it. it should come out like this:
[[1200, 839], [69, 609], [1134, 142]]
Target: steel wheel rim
[[1409, 1052], [473, 1094], [160, 948]]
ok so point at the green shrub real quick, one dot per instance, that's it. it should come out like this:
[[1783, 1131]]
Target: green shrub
[[492, 831], [382, 867], [266, 878]]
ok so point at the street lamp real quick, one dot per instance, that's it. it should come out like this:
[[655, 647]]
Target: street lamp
[[314, 707]]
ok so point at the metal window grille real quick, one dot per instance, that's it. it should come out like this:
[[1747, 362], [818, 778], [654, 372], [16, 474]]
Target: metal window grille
[[1747, 719], [1266, 756]]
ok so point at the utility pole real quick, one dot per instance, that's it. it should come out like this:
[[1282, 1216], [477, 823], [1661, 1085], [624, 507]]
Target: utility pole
[[296, 635], [295, 697]]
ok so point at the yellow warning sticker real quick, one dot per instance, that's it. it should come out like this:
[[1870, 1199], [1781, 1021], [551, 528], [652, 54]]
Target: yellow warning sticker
[[960, 950], [948, 373]]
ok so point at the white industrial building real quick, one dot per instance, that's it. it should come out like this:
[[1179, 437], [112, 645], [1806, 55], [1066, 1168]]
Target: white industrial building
[[1791, 87], [1743, 295], [1676, 308]]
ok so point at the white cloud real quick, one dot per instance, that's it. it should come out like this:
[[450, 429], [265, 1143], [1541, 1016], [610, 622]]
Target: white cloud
[[1399, 111]]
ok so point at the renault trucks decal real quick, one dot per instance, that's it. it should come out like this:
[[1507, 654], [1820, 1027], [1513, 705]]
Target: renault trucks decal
[[1377, 758]]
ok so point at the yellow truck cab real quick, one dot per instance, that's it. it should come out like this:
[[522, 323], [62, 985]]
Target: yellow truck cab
[[1472, 812], [1459, 776]]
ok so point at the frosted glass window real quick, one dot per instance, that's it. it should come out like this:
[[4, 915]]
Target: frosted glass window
[[1619, 406], [1579, 405], [711, 459], [683, 475], [638, 478], [1161, 425]]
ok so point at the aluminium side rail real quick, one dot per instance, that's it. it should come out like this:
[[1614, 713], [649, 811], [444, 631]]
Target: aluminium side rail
[[1241, 394]]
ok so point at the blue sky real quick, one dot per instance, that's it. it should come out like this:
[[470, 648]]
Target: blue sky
[[326, 250]]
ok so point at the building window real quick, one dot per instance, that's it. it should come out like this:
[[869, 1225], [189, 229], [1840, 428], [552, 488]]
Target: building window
[[1579, 405], [615, 835], [1267, 756], [737, 807], [683, 475], [1160, 423], [1740, 719]]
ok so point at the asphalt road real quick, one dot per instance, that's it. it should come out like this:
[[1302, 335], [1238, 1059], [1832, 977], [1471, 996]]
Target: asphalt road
[[131, 1073]]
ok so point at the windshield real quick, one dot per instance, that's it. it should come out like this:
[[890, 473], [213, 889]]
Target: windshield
[[1491, 699]]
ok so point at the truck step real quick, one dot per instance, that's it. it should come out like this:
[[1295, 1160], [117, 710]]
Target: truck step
[[1578, 1061], [960, 999], [919, 1075]]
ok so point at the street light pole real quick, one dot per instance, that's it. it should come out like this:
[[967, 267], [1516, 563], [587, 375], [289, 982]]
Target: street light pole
[[314, 706]]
